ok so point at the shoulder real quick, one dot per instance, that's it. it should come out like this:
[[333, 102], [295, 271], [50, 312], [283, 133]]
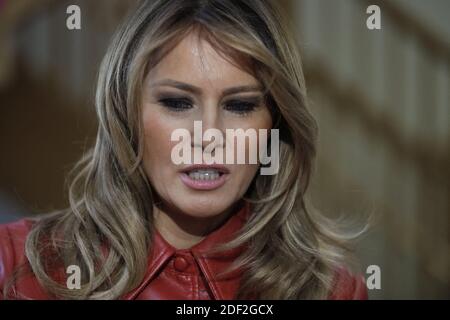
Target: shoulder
[[12, 240], [348, 286], [12, 247]]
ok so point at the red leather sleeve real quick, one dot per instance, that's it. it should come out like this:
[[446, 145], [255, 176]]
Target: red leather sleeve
[[6, 256], [349, 287], [12, 249]]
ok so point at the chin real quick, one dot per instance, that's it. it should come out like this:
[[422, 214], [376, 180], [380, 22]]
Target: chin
[[205, 206]]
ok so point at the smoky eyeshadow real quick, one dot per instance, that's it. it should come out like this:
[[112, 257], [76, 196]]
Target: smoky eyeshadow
[[166, 95], [255, 99]]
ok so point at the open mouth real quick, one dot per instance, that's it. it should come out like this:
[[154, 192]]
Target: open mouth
[[204, 177], [204, 174]]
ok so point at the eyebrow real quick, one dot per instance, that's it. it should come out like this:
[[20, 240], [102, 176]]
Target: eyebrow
[[198, 91]]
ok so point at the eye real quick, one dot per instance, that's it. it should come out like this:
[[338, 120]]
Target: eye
[[240, 106], [176, 104]]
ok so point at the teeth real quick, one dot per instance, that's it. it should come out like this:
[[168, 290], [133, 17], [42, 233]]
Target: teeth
[[209, 174]]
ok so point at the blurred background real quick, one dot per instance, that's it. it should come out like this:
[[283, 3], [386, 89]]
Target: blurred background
[[381, 97]]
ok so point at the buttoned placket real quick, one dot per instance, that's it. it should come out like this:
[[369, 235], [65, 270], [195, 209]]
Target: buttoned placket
[[195, 270]]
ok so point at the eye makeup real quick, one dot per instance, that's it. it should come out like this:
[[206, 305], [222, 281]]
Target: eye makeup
[[176, 104], [242, 106], [237, 105]]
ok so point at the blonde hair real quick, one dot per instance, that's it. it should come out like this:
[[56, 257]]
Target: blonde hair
[[292, 251]]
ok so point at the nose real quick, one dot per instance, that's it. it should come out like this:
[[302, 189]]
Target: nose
[[210, 120]]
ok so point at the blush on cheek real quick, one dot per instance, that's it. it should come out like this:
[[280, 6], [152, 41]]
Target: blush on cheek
[[153, 138], [157, 131]]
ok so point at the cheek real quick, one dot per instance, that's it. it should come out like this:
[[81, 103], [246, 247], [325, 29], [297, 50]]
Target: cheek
[[264, 121], [249, 171], [259, 122], [157, 133], [245, 175]]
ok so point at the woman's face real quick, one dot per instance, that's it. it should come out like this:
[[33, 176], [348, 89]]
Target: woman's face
[[192, 83]]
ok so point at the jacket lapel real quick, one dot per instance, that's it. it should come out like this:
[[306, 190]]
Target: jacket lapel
[[161, 253], [223, 288]]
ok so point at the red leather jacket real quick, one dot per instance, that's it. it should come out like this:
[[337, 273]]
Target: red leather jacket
[[171, 273]]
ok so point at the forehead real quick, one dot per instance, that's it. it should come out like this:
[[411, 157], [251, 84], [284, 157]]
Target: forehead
[[194, 60]]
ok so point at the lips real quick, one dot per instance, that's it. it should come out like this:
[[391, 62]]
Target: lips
[[204, 177], [206, 167]]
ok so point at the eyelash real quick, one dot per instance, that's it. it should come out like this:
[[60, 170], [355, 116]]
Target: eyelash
[[182, 104], [174, 103], [240, 107]]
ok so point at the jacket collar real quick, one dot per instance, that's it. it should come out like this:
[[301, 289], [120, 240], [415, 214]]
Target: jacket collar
[[222, 288]]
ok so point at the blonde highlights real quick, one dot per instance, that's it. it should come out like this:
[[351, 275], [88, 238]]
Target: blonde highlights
[[292, 251]]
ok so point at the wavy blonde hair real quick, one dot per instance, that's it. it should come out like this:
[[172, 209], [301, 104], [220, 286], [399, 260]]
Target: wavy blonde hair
[[292, 251]]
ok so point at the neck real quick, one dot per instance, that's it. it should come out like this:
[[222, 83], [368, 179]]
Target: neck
[[183, 231]]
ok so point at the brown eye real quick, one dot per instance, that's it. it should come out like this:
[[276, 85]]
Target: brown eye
[[176, 104], [240, 107]]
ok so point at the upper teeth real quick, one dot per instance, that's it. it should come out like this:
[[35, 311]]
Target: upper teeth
[[202, 174]]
